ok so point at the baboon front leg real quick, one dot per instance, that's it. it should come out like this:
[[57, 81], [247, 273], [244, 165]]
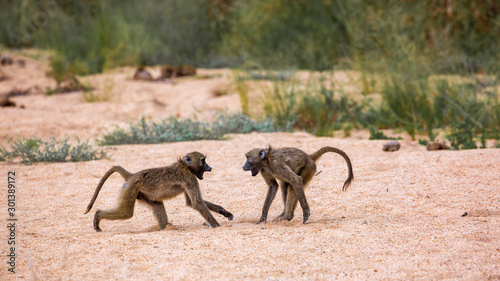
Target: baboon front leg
[[219, 209], [284, 189], [194, 200], [271, 193], [212, 207], [158, 210], [124, 209]]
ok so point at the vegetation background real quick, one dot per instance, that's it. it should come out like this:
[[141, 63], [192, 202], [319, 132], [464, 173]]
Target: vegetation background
[[434, 64]]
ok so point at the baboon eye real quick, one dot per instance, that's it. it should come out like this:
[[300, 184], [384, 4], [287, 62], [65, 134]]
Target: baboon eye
[[187, 159], [262, 154]]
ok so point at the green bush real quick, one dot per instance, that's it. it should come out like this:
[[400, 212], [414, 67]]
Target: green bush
[[462, 136], [379, 135], [316, 108], [34, 150], [176, 130], [280, 104]]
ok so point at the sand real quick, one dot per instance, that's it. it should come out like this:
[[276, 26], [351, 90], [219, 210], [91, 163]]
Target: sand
[[409, 214]]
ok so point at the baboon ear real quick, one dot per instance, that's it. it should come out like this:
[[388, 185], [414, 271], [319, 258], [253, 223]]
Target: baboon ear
[[187, 159], [262, 154]]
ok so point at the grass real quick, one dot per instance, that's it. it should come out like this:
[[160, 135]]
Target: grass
[[34, 150], [379, 135], [72, 84], [242, 90], [316, 107], [414, 101], [104, 95], [176, 130]]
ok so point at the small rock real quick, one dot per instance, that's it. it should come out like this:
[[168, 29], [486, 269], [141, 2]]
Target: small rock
[[464, 214], [436, 146], [185, 70], [142, 74], [391, 146], [6, 102], [6, 60], [21, 62], [167, 71]]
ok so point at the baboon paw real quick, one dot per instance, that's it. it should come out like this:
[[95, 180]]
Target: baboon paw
[[278, 219], [306, 216], [210, 225], [98, 229], [228, 215], [261, 220]]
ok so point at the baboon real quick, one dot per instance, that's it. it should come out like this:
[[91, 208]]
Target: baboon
[[152, 186], [294, 168]]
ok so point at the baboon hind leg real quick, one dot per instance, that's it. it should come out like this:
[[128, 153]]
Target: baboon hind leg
[[298, 188], [124, 210], [291, 200], [158, 210], [291, 205], [284, 190]]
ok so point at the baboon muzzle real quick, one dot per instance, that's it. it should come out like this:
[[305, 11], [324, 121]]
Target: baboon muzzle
[[207, 168], [248, 167]]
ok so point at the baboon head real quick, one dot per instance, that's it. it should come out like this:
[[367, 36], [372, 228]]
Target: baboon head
[[256, 159], [195, 162]]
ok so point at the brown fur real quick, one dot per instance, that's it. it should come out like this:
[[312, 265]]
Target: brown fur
[[294, 169], [152, 186]]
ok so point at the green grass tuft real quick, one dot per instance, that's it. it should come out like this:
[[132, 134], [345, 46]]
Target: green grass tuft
[[379, 135], [176, 130], [34, 150]]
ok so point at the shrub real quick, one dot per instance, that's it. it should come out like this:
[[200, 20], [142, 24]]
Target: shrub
[[316, 108], [175, 130], [379, 135], [34, 150]]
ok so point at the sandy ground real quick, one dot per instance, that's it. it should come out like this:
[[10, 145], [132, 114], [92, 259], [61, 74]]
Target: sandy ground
[[403, 217]]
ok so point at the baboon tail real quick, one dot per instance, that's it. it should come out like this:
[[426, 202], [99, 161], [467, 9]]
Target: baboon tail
[[316, 155], [124, 173]]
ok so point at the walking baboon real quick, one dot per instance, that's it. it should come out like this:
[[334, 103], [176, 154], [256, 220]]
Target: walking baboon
[[294, 168], [152, 186]]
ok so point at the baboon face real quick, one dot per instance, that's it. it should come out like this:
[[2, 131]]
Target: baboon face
[[196, 164], [255, 158]]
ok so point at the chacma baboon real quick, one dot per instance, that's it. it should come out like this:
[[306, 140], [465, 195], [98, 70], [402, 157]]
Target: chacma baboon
[[294, 168], [152, 186]]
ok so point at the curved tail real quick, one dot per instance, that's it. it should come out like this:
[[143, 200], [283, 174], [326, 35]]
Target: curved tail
[[316, 155], [124, 173]]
